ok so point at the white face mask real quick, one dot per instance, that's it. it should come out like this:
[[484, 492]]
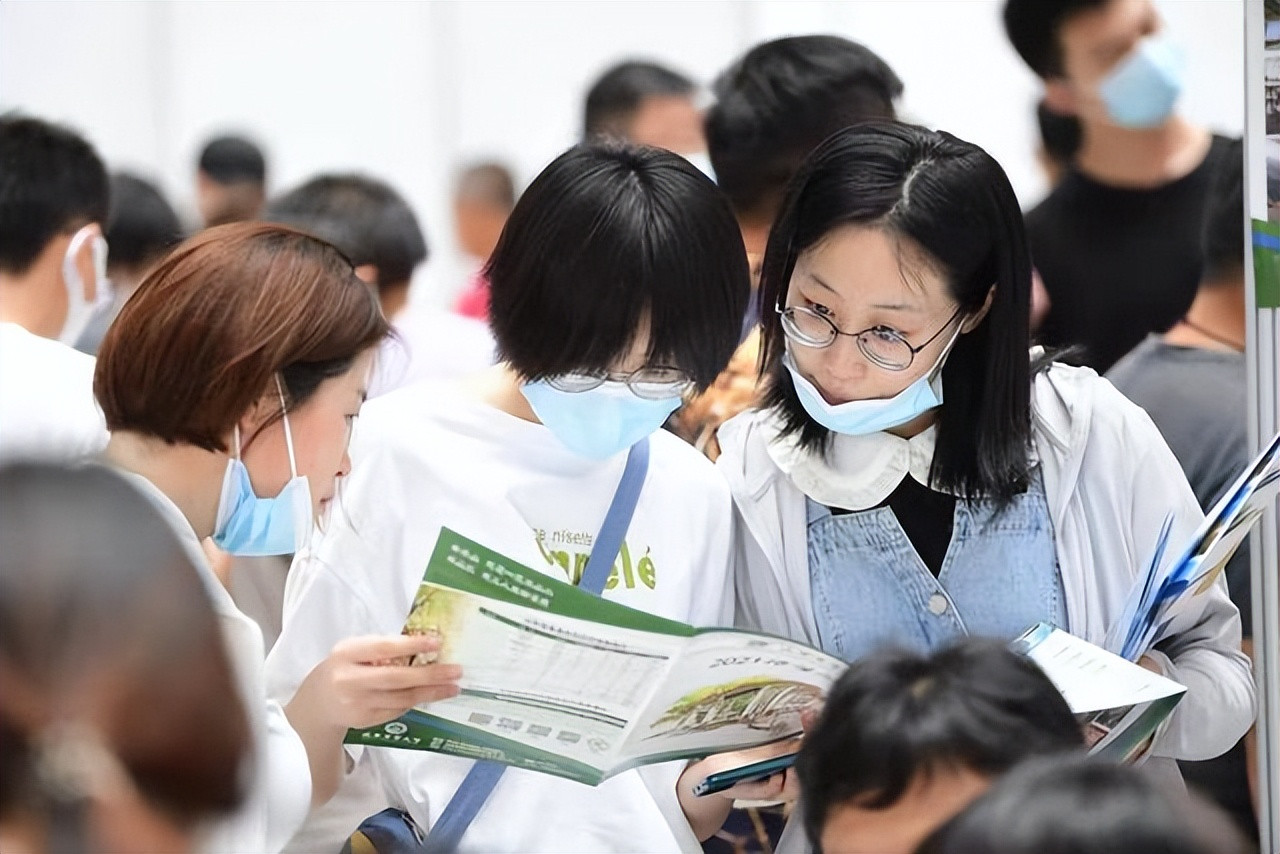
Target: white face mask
[[80, 311], [702, 160]]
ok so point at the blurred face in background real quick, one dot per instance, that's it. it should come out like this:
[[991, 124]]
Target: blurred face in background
[[672, 122]]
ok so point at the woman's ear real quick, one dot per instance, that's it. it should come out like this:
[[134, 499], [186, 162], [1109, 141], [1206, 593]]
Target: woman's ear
[[257, 417], [972, 321]]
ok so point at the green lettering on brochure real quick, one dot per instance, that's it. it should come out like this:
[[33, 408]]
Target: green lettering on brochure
[[647, 574]]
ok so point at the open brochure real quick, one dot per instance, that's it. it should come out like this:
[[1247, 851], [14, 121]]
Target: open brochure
[[1118, 703], [1162, 595], [557, 680], [560, 681]]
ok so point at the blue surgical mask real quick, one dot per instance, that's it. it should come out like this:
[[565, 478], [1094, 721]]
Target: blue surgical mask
[[863, 417], [251, 526], [1140, 92], [600, 422]]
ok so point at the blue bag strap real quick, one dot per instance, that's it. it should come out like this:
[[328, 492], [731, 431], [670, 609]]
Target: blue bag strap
[[616, 520], [476, 787]]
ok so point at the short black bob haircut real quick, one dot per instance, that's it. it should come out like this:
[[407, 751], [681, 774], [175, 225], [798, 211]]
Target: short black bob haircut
[[616, 95], [775, 104], [607, 236], [365, 218], [1223, 237], [233, 160], [896, 715], [1033, 27], [51, 182], [141, 225], [1078, 805], [950, 199]]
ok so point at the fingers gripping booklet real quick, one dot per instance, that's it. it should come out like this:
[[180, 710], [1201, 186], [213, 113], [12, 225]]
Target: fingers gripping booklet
[[560, 681]]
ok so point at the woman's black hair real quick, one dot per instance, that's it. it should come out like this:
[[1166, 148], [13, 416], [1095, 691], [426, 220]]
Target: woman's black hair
[[949, 198], [608, 235], [894, 716], [1078, 805]]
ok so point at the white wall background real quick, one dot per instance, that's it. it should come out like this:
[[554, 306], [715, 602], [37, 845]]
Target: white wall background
[[408, 91]]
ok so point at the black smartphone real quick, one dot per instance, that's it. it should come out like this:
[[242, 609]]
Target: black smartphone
[[761, 770]]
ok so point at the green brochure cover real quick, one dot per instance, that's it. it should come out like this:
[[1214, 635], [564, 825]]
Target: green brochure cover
[[563, 682]]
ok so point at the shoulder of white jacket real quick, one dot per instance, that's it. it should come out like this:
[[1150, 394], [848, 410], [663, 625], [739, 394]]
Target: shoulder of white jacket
[[744, 459]]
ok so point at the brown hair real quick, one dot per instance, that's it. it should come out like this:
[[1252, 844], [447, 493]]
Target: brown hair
[[104, 621], [211, 326]]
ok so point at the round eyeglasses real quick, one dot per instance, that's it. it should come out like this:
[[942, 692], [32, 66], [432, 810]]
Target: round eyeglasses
[[883, 346], [646, 383]]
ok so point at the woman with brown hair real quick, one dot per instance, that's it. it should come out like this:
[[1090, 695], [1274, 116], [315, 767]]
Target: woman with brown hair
[[120, 727], [230, 383]]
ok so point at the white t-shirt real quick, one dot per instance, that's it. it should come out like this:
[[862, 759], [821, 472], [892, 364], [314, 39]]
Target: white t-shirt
[[430, 456], [280, 792], [431, 344], [47, 409]]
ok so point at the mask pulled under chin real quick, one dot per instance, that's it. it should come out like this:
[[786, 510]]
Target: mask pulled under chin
[[250, 526], [863, 417]]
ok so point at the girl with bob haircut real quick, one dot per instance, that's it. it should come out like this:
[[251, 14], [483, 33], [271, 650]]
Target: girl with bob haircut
[[230, 383], [121, 727], [618, 287], [912, 476]]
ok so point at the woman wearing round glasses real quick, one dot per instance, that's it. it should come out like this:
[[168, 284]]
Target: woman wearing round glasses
[[911, 475], [618, 287]]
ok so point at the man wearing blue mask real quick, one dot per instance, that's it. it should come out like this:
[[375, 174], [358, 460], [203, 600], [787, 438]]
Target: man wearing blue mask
[[1116, 242], [53, 282]]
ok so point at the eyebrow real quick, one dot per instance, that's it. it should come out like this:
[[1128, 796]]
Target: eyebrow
[[881, 306]]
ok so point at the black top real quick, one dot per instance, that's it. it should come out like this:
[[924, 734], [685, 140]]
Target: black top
[[926, 517], [1118, 263]]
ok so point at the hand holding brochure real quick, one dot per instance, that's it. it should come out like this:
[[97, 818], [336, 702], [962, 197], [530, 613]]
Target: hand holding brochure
[[1119, 703], [560, 681], [1162, 596]]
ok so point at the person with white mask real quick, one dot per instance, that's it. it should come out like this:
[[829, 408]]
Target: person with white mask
[[618, 287], [913, 476], [1117, 240], [231, 382], [53, 201]]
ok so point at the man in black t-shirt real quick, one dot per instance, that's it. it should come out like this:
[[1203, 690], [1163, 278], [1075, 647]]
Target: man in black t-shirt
[[1192, 382], [1117, 241]]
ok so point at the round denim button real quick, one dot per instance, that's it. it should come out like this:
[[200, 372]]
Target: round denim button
[[938, 604]]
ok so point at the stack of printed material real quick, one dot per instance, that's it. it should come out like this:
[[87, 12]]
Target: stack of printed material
[[1162, 596]]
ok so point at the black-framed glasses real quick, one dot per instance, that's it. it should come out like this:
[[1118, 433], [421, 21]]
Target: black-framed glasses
[[883, 346], [657, 383]]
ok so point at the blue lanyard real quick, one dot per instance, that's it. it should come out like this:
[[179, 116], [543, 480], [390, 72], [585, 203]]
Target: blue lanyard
[[480, 781]]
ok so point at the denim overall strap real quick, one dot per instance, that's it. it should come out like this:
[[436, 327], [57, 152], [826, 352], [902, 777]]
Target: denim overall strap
[[870, 588], [480, 781]]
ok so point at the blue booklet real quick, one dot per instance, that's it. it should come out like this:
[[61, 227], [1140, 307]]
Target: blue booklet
[[1164, 594]]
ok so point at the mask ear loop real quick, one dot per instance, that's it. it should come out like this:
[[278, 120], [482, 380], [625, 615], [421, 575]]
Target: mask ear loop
[[946, 351], [288, 434]]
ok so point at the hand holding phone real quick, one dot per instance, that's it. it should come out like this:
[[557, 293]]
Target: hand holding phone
[[751, 772]]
